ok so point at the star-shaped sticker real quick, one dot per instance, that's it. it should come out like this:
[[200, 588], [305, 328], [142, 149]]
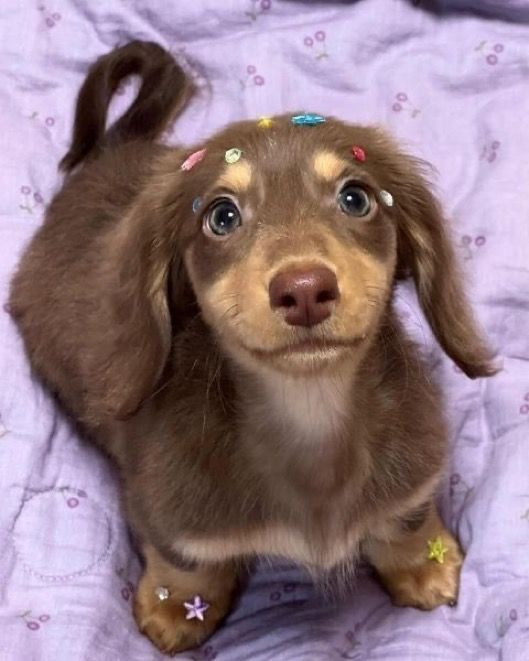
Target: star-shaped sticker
[[437, 550], [265, 122], [196, 609]]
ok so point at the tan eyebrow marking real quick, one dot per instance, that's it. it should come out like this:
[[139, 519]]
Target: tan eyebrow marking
[[236, 177], [328, 165]]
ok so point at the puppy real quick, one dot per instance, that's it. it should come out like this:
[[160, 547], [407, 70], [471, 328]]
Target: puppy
[[220, 322]]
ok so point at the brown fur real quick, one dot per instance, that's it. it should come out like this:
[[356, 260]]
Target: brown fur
[[235, 433]]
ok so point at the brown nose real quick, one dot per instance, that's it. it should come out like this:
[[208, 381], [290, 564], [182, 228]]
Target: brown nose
[[304, 296]]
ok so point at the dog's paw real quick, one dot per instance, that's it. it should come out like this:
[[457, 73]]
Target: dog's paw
[[431, 583], [164, 622]]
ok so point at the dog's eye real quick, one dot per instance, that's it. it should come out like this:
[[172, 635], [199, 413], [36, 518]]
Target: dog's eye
[[354, 200], [223, 218]]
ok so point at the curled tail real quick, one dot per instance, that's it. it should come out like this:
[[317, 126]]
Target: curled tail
[[164, 91]]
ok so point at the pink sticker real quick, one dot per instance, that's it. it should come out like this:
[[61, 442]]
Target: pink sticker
[[358, 153], [192, 160]]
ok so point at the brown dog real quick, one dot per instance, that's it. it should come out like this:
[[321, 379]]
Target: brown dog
[[226, 334]]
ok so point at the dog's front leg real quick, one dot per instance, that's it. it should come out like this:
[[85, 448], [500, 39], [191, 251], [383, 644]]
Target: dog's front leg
[[418, 561], [178, 608]]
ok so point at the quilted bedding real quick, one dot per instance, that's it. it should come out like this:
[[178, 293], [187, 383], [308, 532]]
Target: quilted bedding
[[452, 82]]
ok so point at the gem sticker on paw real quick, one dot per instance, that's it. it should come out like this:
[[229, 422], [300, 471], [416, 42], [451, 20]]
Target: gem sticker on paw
[[162, 593]]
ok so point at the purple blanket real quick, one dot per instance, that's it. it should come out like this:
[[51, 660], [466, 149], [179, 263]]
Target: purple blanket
[[454, 87]]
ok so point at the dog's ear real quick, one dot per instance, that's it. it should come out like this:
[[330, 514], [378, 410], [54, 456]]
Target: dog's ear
[[131, 334], [425, 250]]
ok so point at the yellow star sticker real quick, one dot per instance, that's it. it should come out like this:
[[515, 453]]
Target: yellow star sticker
[[265, 122], [437, 550]]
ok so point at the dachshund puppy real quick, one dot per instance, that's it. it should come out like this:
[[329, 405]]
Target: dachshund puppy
[[219, 320]]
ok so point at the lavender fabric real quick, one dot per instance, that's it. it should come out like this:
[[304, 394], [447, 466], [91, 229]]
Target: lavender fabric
[[454, 88]]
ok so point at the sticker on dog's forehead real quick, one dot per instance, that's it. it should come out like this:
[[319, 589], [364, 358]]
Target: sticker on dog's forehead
[[328, 165], [236, 177]]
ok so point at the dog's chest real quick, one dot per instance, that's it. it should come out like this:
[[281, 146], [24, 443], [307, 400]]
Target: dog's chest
[[301, 465]]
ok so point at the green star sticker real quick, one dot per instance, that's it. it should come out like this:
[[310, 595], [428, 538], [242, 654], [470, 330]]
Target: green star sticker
[[437, 550]]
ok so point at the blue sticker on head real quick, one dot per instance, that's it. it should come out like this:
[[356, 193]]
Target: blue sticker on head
[[308, 119], [197, 203]]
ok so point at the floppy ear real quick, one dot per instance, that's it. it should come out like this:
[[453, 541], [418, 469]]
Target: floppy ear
[[425, 250], [131, 339]]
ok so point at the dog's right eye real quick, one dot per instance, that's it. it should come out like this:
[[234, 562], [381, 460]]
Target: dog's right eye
[[222, 218]]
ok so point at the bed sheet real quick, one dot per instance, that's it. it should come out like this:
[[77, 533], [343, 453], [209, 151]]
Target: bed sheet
[[453, 85]]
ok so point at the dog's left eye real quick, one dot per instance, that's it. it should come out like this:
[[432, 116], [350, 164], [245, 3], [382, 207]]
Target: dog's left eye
[[354, 200], [223, 218]]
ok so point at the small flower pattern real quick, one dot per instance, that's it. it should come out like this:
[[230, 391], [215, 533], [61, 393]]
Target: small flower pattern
[[258, 8], [492, 53], [505, 622], [51, 18], [317, 44], [34, 622], [127, 587], [471, 244], [72, 497], [402, 104], [458, 486], [524, 406], [489, 151], [349, 649], [31, 200], [252, 78]]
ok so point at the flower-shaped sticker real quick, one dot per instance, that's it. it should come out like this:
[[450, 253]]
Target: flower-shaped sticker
[[196, 609]]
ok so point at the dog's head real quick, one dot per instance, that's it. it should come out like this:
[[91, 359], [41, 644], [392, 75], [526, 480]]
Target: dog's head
[[291, 238]]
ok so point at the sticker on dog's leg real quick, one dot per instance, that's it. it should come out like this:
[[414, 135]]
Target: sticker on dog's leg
[[196, 609], [162, 593], [308, 119], [193, 159], [386, 197], [197, 203], [437, 550], [358, 153], [265, 122], [233, 155]]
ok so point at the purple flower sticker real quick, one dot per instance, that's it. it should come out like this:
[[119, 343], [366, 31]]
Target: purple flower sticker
[[196, 609]]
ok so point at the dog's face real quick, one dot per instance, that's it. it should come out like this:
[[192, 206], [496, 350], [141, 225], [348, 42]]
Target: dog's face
[[292, 253]]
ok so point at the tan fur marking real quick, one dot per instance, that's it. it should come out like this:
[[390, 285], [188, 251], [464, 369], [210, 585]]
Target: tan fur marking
[[275, 541], [236, 177], [328, 165]]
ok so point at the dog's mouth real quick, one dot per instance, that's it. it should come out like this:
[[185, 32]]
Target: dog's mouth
[[309, 348]]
